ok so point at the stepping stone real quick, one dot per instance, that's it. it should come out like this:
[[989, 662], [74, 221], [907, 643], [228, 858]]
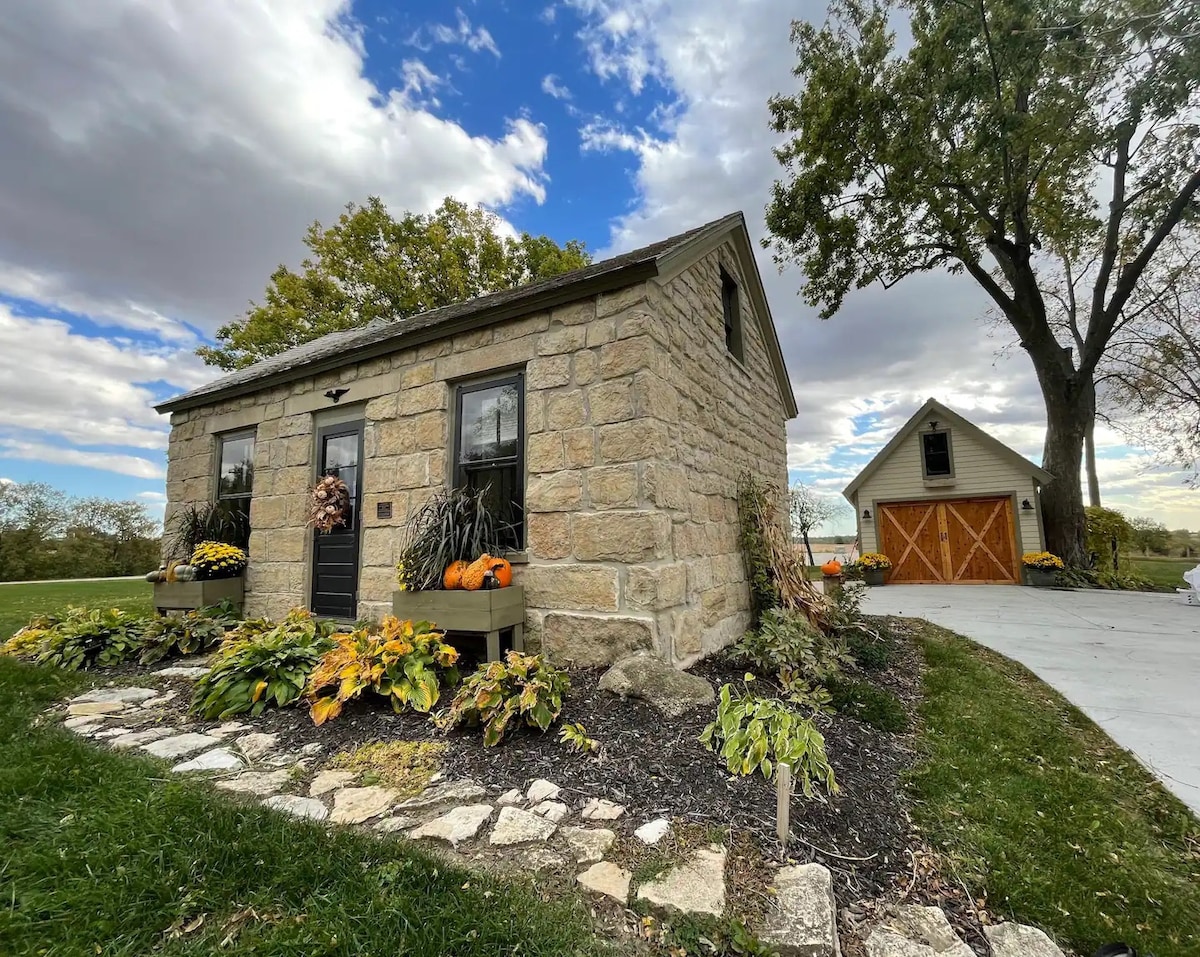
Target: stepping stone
[[303, 807], [802, 921], [256, 745], [515, 826], [109, 733], [356, 805], [511, 798], [552, 810], [1018, 940], [588, 844], [124, 695], [924, 926], [95, 708], [181, 745], [84, 725], [401, 822], [454, 792], [191, 672], [598, 809], [311, 749], [456, 826], [137, 738], [697, 887], [260, 783], [218, 759], [608, 879], [160, 700], [653, 831], [328, 781], [542, 790], [228, 728]]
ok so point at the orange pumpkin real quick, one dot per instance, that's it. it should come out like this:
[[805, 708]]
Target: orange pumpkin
[[472, 576], [453, 575], [502, 570], [832, 567]]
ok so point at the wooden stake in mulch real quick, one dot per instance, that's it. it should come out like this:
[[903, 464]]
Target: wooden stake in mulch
[[783, 803]]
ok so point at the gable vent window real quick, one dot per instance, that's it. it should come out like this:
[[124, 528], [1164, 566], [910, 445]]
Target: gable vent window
[[731, 307], [935, 454]]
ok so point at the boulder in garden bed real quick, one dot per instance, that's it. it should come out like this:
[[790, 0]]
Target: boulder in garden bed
[[645, 676], [802, 921]]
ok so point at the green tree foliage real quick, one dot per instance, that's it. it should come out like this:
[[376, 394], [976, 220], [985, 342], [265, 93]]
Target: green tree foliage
[[370, 265], [44, 533], [1108, 535], [1008, 139], [1148, 535]]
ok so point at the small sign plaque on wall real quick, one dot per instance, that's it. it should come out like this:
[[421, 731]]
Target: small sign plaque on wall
[[383, 509]]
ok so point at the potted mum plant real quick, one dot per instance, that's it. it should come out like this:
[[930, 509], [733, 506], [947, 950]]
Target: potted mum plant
[[1041, 568], [213, 575], [451, 573], [874, 567]]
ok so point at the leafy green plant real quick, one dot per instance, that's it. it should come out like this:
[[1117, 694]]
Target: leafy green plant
[[99, 637], [758, 734], [262, 663], [224, 521], [180, 635], [406, 662], [452, 526], [575, 736], [869, 651], [787, 644], [871, 705], [521, 687], [28, 642], [1108, 535]]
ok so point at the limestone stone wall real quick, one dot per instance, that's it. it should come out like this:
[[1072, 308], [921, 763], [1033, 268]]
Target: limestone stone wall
[[632, 452]]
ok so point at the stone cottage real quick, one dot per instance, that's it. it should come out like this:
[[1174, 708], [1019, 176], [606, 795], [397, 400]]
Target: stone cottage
[[613, 407]]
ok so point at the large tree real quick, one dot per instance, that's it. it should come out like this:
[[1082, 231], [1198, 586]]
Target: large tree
[[997, 138], [370, 265]]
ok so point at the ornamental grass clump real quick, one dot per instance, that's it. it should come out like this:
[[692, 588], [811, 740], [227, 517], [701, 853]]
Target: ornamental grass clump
[[521, 688], [453, 526], [406, 662], [263, 663], [218, 560]]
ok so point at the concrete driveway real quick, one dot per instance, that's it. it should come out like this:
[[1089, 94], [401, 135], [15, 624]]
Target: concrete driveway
[[1129, 660]]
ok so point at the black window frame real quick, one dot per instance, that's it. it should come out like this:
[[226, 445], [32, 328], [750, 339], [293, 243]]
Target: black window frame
[[222, 438], [949, 473], [731, 311], [461, 470]]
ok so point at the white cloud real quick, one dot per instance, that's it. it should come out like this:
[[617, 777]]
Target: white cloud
[[166, 157], [552, 86], [473, 38], [420, 82], [105, 461]]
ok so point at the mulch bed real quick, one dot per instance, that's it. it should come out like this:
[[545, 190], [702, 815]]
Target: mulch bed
[[655, 766]]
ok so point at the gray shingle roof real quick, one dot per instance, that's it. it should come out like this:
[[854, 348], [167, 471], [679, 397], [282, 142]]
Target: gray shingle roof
[[383, 335]]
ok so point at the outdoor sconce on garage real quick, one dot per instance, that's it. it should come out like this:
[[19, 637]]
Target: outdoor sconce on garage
[[1026, 505], [866, 514]]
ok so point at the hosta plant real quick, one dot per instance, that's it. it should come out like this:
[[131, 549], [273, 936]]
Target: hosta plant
[[187, 634], [27, 642], [521, 688], [787, 644], [262, 663], [407, 662], [758, 734], [99, 637]]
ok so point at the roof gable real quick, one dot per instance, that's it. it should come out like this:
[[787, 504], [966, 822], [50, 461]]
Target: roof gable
[[934, 408], [336, 349]]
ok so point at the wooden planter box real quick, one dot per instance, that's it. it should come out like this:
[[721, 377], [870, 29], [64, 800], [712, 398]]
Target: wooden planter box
[[187, 596], [481, 611]]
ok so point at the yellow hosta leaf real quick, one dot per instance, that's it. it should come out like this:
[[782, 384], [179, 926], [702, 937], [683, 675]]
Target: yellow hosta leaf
[[325, 708], [259, 690]]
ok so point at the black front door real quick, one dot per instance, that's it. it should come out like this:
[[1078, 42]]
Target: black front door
[[335, 553]]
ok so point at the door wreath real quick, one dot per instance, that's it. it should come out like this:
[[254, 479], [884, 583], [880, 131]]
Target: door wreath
[[329, 505]]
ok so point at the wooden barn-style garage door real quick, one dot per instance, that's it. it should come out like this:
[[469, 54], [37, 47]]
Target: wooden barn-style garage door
[[956, 540]]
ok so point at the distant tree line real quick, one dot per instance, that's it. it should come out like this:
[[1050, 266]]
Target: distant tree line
[[45, 533]]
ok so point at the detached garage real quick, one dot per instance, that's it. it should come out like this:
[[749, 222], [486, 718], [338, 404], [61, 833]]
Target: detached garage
[[946, 503]]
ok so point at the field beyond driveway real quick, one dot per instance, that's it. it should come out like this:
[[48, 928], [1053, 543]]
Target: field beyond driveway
[[1129, 660]]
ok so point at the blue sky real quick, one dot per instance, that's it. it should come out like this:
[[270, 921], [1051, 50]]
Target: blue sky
[[161, 158]]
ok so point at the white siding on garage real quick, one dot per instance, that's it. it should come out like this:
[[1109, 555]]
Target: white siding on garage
[[978, 471]]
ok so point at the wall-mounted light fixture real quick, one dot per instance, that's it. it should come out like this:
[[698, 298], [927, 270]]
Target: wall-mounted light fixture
[[867, 514], [933, 425], [335, 394], [1026, 505]]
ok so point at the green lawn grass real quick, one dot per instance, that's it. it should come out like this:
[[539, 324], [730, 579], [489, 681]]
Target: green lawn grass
[[1166, 573], [19, 603], [104, 854], [1034, 805]]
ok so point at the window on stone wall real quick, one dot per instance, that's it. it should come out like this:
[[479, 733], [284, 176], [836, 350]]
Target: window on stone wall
[[235, 475], [732, 309], [489, 449]]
